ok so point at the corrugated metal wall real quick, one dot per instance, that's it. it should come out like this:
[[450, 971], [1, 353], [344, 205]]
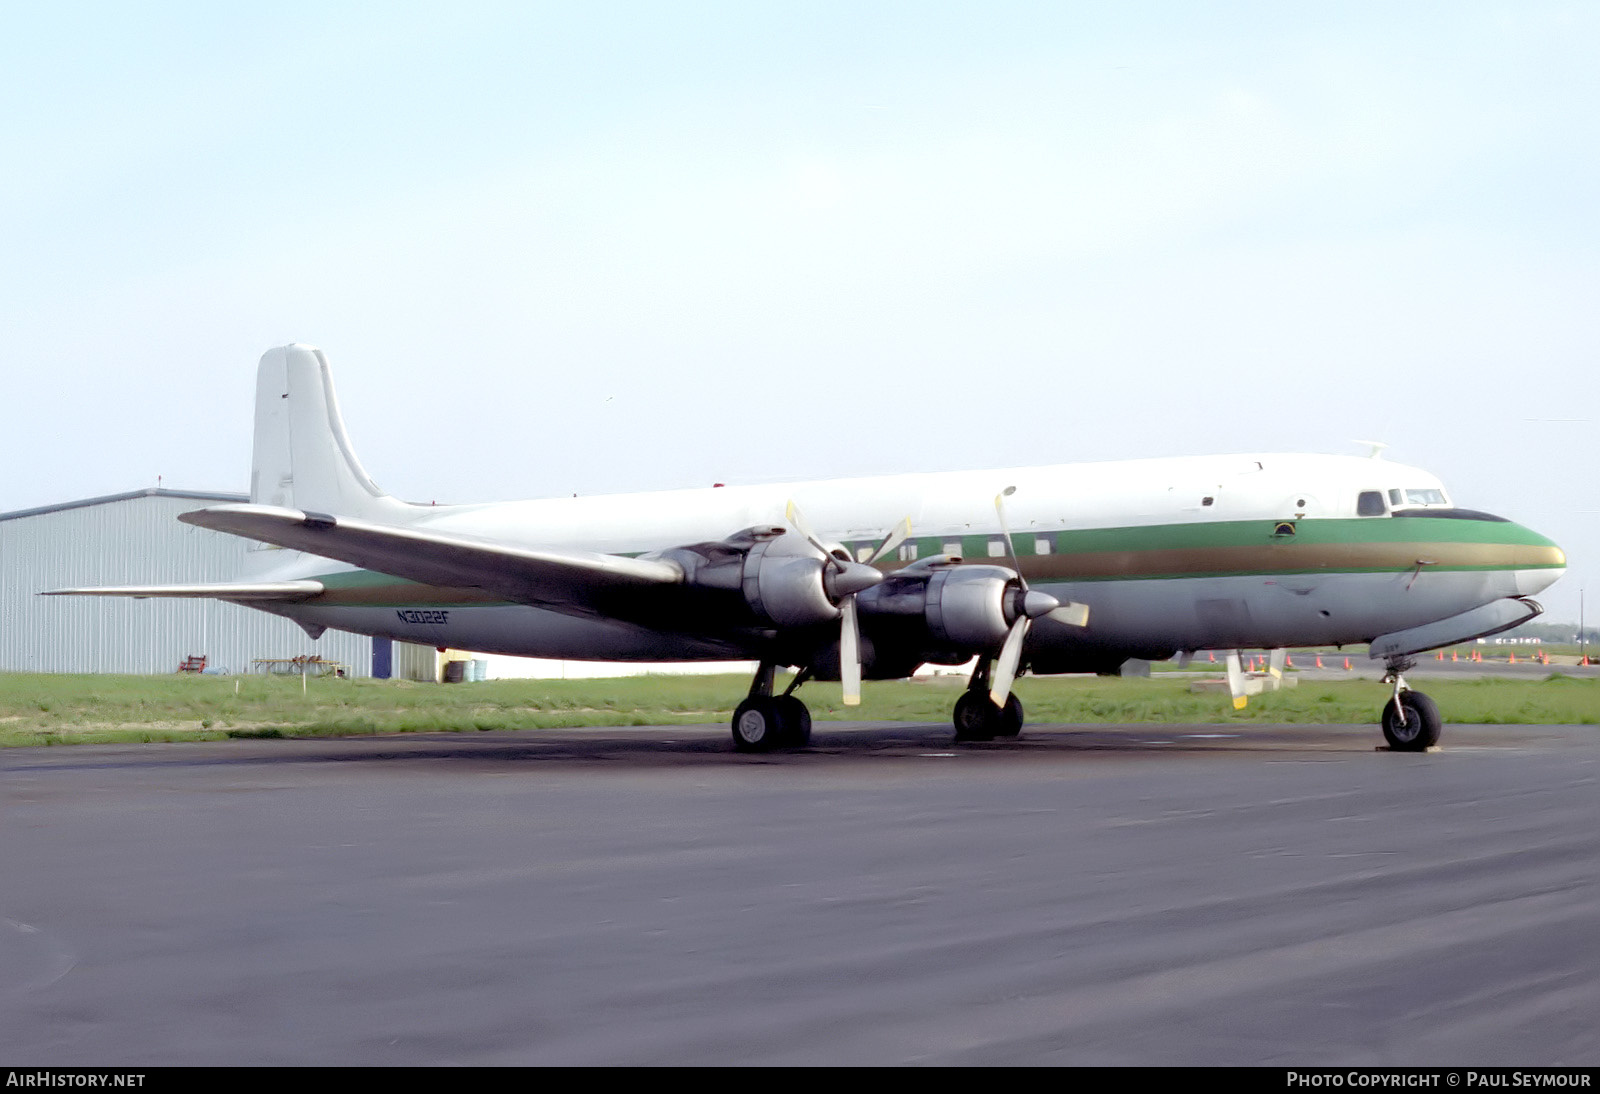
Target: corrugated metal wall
[[136, 540]]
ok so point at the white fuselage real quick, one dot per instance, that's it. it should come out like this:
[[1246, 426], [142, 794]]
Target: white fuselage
[[1169, 554]]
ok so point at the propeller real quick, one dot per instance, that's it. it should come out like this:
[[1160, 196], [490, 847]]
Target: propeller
[[844, 580], [1029, 605], [1236, 681]]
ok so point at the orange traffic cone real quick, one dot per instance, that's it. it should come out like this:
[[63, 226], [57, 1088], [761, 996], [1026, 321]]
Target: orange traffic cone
[[1452, 655], [1347, 664], [1439, 656], [1319, 660], [1512, 660]]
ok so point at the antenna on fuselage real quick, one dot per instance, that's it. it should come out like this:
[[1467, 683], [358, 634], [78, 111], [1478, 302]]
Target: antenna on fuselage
[[1377, 448]]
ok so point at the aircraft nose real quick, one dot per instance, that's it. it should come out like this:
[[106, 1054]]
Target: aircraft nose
[[1537, 563]]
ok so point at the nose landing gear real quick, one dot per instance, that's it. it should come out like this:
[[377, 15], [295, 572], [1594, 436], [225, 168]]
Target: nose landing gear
[[1411, 721]]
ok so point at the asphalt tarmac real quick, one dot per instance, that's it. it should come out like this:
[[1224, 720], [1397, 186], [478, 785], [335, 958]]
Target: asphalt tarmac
[[1280, 895]]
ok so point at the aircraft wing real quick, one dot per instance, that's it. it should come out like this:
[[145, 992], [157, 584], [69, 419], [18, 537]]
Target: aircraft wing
[[214, 590], [564, 580]]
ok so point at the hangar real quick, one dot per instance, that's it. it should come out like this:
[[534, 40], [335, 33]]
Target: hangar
[[136, 538]]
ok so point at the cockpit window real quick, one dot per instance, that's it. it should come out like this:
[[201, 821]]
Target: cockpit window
[[1370, 504], [1425, 497], [1437, 511], [1396, 498]]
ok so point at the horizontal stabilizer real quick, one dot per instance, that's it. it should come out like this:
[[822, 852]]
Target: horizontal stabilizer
[[219, 590], [547, 578]]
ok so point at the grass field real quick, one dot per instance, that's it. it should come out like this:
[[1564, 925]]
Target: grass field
[[50, 709]]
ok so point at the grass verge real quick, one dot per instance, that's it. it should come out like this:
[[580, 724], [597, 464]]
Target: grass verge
[[54, 709]]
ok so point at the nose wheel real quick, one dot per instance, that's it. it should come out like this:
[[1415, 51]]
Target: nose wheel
[[1411, 720]]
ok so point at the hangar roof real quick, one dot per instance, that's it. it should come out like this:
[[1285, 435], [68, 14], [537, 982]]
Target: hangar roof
[[154, 492]]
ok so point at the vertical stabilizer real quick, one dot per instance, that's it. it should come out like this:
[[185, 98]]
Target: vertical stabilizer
[[303, 459]]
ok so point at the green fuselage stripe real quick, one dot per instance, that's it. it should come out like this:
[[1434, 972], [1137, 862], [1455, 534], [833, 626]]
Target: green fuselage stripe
[[1236, 548], [1148, 552]]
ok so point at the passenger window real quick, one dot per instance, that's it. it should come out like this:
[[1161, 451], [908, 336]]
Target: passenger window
[[1369, 504], [997, 547], [1041, 545]]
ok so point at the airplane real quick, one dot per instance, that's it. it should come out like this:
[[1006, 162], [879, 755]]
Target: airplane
[[1062, 569]]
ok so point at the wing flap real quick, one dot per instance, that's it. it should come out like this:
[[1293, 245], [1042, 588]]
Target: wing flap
[[548, 578]]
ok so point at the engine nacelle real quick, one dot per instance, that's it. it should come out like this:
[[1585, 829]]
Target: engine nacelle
[[966, 608], [784, 580]]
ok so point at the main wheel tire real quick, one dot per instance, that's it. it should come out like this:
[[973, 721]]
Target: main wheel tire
[[1010, 721], [795, 719], [1422, 723], [757, 725], [976, 718]]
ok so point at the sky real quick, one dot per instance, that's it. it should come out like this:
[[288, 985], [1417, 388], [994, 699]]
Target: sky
[[554, 248]]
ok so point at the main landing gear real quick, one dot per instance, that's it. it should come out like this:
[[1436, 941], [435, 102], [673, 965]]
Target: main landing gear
[[1411, 721], [765, 721], [977, 718]]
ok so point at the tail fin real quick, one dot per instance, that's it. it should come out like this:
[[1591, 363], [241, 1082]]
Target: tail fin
[[303, 459]]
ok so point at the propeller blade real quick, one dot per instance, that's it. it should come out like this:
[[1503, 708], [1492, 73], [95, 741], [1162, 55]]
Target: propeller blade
[[1005, 666], [1072, 614], [897, 535], [850, 620], [1011, 550], [792, 511], [1275, 664], [850, 652], [1236, 681], [1035, 604]]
